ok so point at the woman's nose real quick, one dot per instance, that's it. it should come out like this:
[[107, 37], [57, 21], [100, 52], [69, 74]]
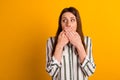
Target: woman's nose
[[68, 24]]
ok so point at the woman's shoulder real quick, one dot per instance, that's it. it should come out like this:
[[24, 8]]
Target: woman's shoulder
[[51, 39], [87, 39]]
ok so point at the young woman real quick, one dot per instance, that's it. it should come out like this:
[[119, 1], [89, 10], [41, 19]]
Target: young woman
[[69, 53]]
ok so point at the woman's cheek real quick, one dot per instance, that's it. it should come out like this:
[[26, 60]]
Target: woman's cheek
[[63, 27]]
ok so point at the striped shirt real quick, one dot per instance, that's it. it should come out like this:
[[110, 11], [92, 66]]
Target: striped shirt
[[70, 67]]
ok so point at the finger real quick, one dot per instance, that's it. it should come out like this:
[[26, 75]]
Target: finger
[[68, 29], [76, 34], [64, 35], [61, 33], [69, 34]]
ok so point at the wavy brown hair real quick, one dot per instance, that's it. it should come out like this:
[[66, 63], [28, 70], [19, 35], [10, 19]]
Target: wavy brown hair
[[75, 12]]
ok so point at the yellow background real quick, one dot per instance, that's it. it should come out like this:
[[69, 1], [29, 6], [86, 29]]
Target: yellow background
[[25, 26]]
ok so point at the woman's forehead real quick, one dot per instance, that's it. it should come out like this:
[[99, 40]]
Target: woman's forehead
[[68, 14]]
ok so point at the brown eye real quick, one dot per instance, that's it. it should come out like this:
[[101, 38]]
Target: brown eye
[[72, 20], [64, 20]]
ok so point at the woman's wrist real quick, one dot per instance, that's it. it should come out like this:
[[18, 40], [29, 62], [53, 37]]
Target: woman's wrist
[[79, 46], [81, 52], [59, 46], [58, 52]]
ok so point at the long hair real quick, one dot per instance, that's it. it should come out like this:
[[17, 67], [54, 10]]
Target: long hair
[[75, 12]]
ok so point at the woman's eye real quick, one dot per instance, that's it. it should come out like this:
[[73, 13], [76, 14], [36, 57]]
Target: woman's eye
[[72, 20], [64, 20]]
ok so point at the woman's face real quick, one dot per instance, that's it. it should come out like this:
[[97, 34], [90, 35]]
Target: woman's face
[[68, 20]]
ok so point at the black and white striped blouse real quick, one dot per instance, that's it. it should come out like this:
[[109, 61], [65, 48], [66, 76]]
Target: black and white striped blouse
[[70, 67]]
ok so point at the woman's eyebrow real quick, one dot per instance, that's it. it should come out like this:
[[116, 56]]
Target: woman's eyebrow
[[66, 17]]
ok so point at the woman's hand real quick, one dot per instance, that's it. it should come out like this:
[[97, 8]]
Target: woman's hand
[[73, 37], [62, 39]]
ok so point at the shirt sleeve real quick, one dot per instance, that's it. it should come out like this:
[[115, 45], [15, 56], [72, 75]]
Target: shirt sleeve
[[52, 65], [88, 66]]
